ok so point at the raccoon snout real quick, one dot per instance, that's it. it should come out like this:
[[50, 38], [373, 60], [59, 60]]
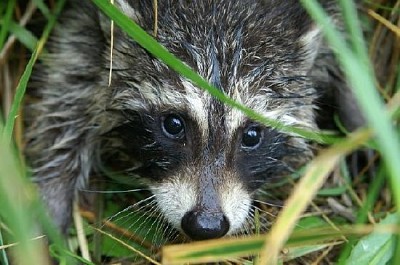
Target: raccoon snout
[[200, 224]]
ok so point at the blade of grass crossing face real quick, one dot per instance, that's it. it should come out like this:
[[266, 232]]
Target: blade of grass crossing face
[[152, 46]]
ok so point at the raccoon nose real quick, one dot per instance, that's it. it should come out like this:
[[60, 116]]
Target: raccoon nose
[[201, 225]]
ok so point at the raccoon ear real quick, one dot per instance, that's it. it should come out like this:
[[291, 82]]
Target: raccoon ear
[[310, 42]]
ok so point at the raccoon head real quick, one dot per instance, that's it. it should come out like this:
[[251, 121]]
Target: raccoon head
[[202, 159]]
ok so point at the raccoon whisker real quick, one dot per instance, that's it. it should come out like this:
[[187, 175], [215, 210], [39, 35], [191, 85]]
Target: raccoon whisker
[[270, 160], [111, 191], [156, 221], [242, 231], [257, 181], [248, 225], [150, 198], [263, 220], [147, 216], [263, 211], [296, 149], [267, 194], [278, 143], [147, 208], [159, 231], [133, 235], [162, 231], [246, 228], [268, 203], [280, 163], [169, 233], [167, 230], [176, 235], [128, 217]]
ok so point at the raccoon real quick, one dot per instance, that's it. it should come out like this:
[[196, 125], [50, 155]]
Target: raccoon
[[203, 160]]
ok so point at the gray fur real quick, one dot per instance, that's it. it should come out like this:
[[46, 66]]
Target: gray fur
[[268, 55]]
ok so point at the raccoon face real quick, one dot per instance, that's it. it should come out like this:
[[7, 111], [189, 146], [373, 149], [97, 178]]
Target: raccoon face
[[210, 195], [204, 160]]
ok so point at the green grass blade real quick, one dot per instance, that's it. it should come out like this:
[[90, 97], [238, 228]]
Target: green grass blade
[[20, 91], [6, 22], [43, 8], [2, 8], [3, 253], [21, 88], [24, 36], [375, 248], [353, 27], [16, 197]]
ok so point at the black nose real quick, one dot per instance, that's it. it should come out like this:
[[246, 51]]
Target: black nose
[[201, 225]]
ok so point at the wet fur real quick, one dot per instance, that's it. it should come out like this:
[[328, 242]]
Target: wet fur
[[267, 55]]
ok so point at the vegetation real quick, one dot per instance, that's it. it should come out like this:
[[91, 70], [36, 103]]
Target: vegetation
[[335, 213]]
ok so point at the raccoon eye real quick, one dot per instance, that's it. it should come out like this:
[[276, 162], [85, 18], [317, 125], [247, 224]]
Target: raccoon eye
[[252, 137], [173, 126]]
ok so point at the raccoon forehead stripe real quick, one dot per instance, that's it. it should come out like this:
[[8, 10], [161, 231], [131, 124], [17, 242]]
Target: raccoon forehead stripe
[[197, 100]]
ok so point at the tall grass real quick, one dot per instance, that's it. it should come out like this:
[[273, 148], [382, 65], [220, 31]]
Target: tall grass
[[292, 232]]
